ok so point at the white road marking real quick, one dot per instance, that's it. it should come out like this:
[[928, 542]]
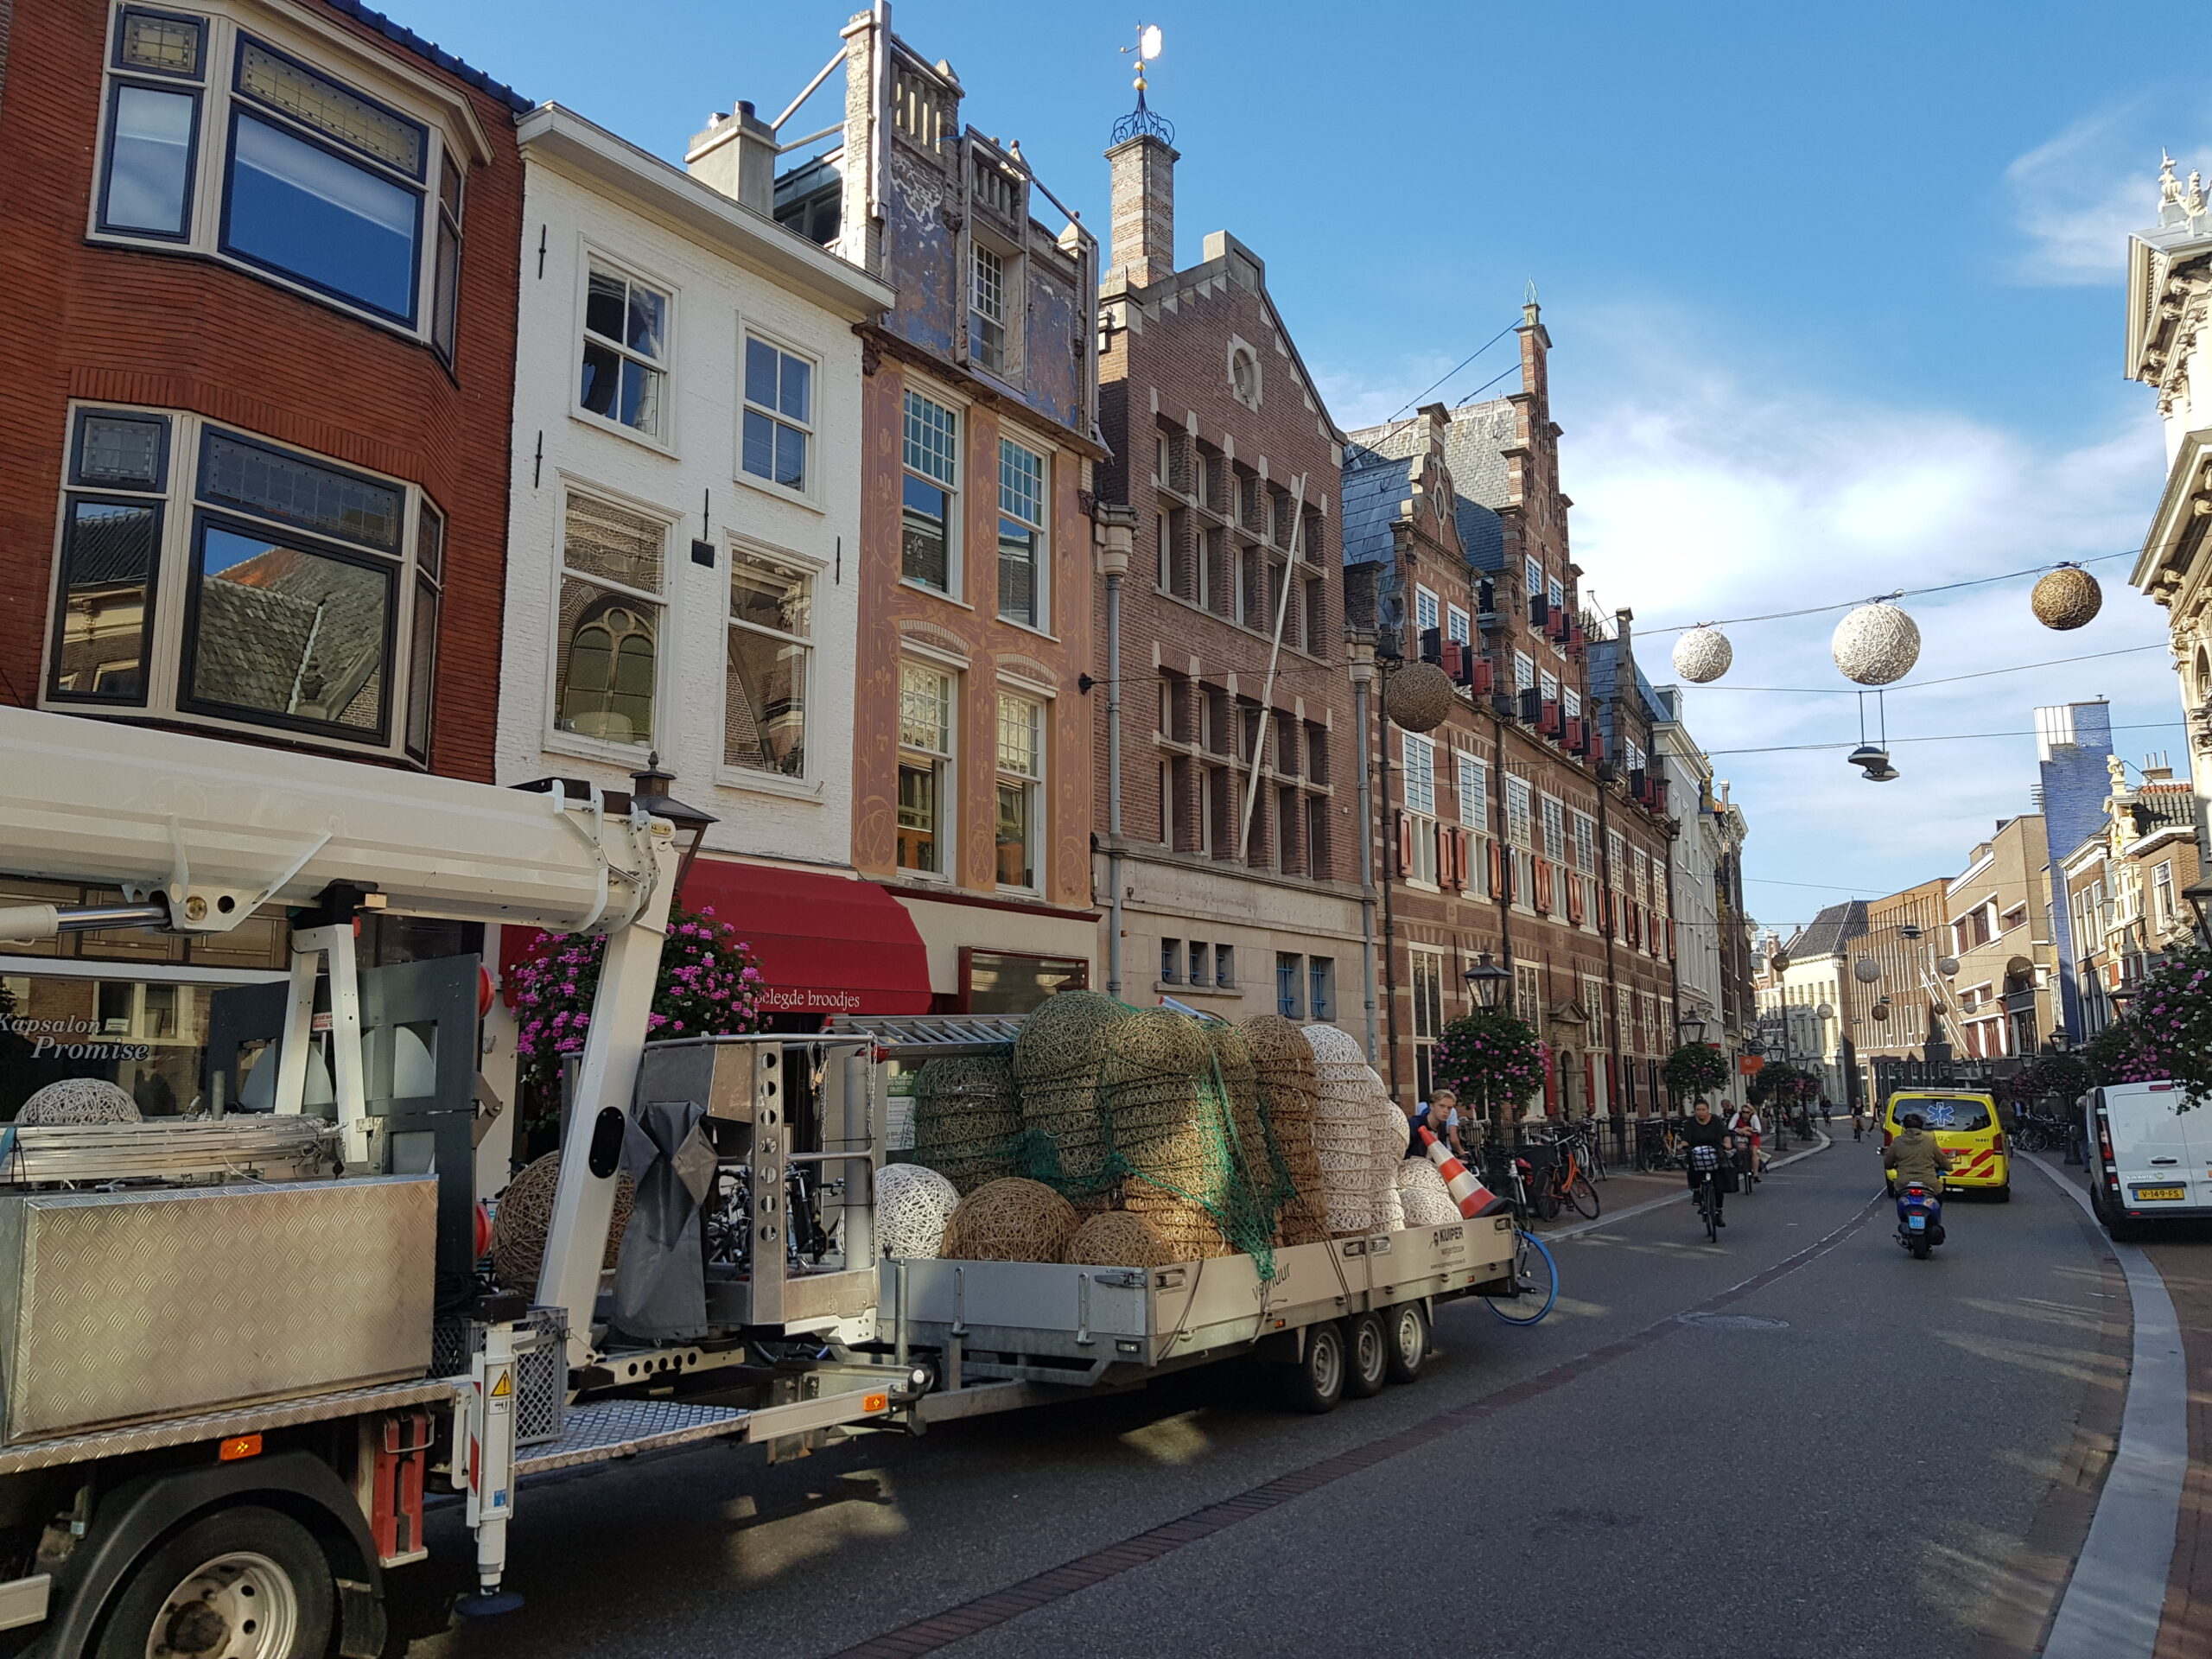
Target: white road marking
[[2117, 1596]]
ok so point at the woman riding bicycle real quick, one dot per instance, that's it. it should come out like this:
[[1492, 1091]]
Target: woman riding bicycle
[[1704, 1129]]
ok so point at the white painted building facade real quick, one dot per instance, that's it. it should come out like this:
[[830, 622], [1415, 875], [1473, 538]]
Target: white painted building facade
[[685, 513]]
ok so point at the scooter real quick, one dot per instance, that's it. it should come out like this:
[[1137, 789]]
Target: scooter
[[1920, 1219]]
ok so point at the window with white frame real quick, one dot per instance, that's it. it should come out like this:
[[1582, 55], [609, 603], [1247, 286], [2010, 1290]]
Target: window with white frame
[[778, 423], [1556, 592], [1524, 671], [1586, 844], [1425, 609], [1636, 756], [926, 700], [1457, 624], [625, 351], [206, 573], [928, 540], [1571, 704], [1427, 979], [1535, 573], [1616, 859], [987, 308], [2162, 895], [607, 653], [1549, 681], [1474, 793], [1528, 994], [770, 651], [1420, 773], [1021, 789], [216, 141], [1519, 817], [1554, 831], [1024, 501], [1623, 1019], [1593, 1002]]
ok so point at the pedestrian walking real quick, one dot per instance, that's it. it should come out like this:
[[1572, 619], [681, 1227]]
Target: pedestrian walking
[[1858, 1120]]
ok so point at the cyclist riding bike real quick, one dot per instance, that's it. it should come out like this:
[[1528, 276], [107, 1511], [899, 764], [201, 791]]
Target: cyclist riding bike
[[1704, 1129]]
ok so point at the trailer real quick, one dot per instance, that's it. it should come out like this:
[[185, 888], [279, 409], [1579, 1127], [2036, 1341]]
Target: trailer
[[240, 1351]]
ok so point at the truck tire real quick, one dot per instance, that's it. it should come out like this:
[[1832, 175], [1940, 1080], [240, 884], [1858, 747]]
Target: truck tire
[[1367, 1353], [247, 1581], [1316, 1382], [1406, 1328], [2001, 1194]]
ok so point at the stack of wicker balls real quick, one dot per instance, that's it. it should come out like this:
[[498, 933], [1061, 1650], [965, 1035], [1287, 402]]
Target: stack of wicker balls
[[78, 1100], [1343, 1131], [1010, 1220], [1056, 1065], [912, 1205], [967, 1119], [1169, 1125], [525, 1216], [1291, 1091], [1117, 1239], [1428, 1201], [1390, 1136]]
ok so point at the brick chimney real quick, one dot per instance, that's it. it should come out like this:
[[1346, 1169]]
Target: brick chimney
[[1143, 238], [736, 155]]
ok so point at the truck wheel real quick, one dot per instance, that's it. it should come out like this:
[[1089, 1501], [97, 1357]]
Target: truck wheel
[[1316, 1382], [2001, 1194], [1367, 1350], [1407, 1329], [246, 1583]]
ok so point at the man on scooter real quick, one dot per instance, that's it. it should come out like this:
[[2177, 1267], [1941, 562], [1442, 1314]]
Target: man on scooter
[[1914, 1156]]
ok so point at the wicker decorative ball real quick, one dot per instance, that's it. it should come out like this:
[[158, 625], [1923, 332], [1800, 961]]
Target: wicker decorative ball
[[1702, 655], [912, 1205], [1010, 1220], [1426, 1200], [525, 1216], [79, 1100], [1117, 1239], [1876, 645], [1334, 1043], [2067, 598], [1879, 1011], [1867, 970], [1418, 696], [1392, 1212]]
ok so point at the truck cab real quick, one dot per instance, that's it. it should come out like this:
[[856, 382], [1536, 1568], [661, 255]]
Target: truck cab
[[2153, 1161]]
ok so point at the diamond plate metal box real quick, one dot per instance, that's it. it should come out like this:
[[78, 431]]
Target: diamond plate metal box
[[124, 1307]]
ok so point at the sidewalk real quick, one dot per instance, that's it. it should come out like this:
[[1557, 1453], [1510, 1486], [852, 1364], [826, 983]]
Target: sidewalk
[[2186, 1263]]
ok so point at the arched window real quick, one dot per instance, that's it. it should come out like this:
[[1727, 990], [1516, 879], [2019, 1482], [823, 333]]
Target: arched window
[[608, 690]]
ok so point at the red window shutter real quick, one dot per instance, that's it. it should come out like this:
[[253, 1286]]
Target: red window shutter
[[1405, 845], [1544, 886], [1497, 871], [1447, 867], [1670, 939], [1575, 901], [1462, 846]]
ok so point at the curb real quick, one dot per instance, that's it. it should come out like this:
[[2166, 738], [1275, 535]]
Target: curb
[[1682, 1197]]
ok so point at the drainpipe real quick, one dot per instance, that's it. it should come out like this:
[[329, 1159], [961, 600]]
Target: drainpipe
[[1114, 529], [1360, 650]]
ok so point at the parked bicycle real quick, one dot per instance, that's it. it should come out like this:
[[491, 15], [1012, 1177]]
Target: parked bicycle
[[1564, 1178], [1658, 1146]]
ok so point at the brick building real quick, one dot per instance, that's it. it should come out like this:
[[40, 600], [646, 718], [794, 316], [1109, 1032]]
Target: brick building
[[972, 772], [1528, 826], [264, 259], [2123, 888], [1900, 1023], [1237, 863]]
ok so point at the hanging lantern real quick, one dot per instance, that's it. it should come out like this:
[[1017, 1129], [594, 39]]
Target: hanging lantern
[[1867, 970], [1702, 655], [1418, 696], [2067, 598], [1876, 645], [1880, 1011], [1947, 966]]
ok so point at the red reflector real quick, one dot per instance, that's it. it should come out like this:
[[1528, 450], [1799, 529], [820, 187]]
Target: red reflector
[[240, 1446]]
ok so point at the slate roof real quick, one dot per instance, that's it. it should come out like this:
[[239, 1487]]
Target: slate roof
[[275, 633], [1374, 486], [1475, 442], [400, 35], [1829, 932]]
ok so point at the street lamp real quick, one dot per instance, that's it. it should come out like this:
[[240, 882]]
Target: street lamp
[[650, 791], [1693, 1027], [1487, 982]]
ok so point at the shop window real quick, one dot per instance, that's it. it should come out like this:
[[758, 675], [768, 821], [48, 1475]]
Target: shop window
[[1001, 982]]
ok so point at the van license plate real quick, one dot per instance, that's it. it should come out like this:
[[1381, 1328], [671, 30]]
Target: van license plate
[[2148, 1194]]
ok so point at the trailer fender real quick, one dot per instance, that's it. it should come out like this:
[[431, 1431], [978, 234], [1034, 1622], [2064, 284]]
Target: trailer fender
[[1281, 1347], [130, 1520]]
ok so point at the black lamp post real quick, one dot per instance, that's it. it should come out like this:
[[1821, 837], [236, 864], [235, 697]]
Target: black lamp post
[[650, 792], [1693, 1027], [1489, 984]]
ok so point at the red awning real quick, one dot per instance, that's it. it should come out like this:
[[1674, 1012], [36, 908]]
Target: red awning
[[826, 944]]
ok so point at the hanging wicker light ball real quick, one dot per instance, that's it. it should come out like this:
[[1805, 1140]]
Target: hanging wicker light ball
[[1947, 966], [1867, 970], [2067, 598], [1880, 1011], [1702, 655], [1418, 696], [1876, 644]]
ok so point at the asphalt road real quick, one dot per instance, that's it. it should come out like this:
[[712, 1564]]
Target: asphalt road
[[1853, 1452]]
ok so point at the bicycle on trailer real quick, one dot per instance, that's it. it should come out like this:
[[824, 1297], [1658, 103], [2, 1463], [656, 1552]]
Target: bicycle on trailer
[[1534, 1269]]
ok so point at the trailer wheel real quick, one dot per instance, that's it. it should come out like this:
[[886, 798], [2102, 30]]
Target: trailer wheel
[[1407, 1341], [1367, 1348], [246, 1583], [1316, 1382]]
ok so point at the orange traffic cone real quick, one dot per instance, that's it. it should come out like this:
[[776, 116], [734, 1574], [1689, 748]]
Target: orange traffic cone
[[1470, 1195]]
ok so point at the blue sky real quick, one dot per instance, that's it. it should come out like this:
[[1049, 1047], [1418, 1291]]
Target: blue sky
[[1834, 296]]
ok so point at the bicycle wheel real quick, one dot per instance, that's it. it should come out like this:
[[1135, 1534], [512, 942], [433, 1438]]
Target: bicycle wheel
[[1583, 1196], [1546, 1196], [1711, 1211], [1534, 1268]]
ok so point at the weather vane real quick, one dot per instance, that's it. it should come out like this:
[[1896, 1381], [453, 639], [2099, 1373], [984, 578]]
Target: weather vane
[[1141, 119]]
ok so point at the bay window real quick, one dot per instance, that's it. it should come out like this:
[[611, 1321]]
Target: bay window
[[203, 572], [219, 141], [764, 718], [1024, 569], [607, 652], [929, 544], [1020, 785], [925, 705]]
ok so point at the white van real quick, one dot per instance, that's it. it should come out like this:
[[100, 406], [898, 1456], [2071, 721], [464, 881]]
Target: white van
[[2151, 1158]]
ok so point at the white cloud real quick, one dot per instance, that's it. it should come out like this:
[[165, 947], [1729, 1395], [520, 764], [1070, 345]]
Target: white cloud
[[2076, 197], [1701, 493]]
